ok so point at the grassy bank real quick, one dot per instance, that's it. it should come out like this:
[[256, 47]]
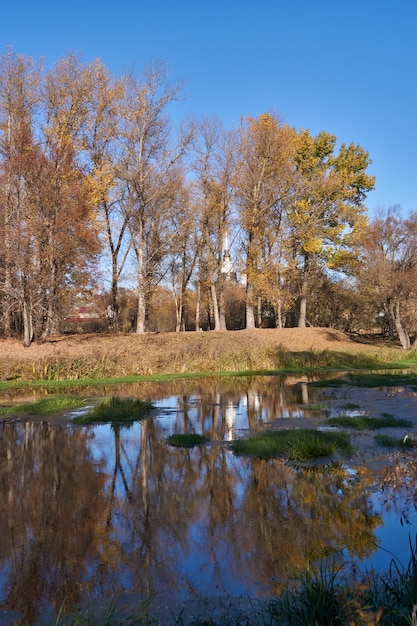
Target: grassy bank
[[115, 357]]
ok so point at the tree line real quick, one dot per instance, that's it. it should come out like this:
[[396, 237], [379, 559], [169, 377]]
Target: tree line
[[95, 177]]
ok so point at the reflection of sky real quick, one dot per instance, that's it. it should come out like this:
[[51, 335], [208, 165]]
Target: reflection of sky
[[392, 537]]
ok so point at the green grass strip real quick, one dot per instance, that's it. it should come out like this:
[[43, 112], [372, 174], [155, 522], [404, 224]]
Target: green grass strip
[[48, 405], [367, 378], [360, 422], [371, 379]]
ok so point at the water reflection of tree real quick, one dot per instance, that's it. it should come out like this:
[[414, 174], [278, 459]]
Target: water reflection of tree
[[50, 510], [398, 487], [298, 516], [241, 522], [212, 411]]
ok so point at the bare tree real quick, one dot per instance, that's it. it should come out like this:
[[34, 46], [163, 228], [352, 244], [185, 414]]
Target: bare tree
[[213, 187], [387, 269], [19, 95], [102, 147], [149, 154]]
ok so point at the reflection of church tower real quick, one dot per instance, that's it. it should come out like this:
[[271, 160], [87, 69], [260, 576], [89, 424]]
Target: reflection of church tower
[[230, 417], [227, 266]]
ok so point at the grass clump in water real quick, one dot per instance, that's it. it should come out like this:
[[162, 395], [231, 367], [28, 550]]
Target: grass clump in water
[[407, 442], [186, 440], [314, 406], [115, 409], [350, 406], [360, 422], [296, 445], [48, 405]]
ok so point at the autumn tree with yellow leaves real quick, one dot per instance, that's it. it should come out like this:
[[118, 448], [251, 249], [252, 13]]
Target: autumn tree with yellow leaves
[[263, 182], [46, 212], [326, 207]]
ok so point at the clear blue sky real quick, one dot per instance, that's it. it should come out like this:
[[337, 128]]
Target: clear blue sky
[[345, 66]]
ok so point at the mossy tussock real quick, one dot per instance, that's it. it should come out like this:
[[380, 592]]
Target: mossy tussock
[[293, 444], [116, 410], [186, 440]]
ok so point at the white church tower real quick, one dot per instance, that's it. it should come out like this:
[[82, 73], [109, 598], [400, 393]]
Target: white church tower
[[227, 268]]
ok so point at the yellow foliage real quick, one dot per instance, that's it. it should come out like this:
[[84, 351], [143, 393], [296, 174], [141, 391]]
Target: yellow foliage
[[101, 182], [312, 245]]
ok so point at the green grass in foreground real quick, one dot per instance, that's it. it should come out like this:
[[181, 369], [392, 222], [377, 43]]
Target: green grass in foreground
[[115, 409], [361, 422], [186, 440], [327, 596], [296, 445], [49, 405]]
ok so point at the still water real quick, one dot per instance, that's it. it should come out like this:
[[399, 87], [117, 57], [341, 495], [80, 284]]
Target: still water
[[91, 512]]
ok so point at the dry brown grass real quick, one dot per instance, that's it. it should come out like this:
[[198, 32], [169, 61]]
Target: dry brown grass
[[102, 356]]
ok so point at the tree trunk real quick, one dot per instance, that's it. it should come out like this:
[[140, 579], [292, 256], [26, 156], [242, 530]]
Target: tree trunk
[[302, 318], [302, 312], [141, 310], [27, 325], [222, 311], [259, 311], [6, 305], [197, 308], [394, 311], [51, 325], [115, 286], [250, 313], [278, 314], [179, 312], [215, 304]]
